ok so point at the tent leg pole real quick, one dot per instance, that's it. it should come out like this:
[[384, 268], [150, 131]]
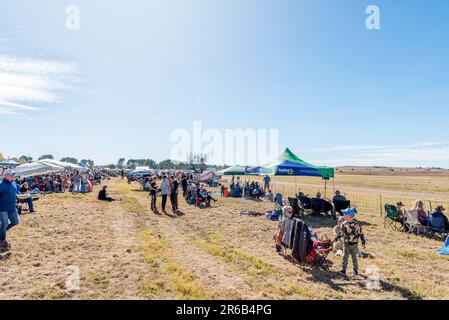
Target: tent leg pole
[[296, 180], [325, 188]]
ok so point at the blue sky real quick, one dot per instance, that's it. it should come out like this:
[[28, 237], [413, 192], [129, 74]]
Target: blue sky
[[136, 70]]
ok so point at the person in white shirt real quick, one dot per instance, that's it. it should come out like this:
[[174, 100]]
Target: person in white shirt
[[165, 191]]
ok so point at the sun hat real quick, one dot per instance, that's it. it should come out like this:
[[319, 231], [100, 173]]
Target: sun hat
[[349, 212], [9, 172], [440, 208]]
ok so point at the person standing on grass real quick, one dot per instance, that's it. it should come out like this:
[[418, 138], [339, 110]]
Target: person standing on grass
[[350, 233], [165, 191], [266, 183], [174, 193], [76, 182], [153, 194], [84, 179], [9, 217]]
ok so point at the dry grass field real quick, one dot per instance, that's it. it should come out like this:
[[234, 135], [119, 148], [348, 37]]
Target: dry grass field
[[124, 251]]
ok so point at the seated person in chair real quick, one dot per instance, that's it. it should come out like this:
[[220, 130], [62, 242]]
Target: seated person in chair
[[338, 197], [304, 200], [423, 217], [400, 209], [321, 205], [204, 195], [256, 191], [339, 200], [23, 190], [438, 220]]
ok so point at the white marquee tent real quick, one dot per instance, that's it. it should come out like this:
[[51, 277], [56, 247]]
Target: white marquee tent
[[61, 164], [37, 168]]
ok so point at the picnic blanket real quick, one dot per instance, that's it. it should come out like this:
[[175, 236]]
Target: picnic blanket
[[445, 249]]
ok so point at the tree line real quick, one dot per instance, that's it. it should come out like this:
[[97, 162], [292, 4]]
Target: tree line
[[121, 163]]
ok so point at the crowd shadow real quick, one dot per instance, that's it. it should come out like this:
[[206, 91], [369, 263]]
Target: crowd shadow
[[337, 282], [319, 221]]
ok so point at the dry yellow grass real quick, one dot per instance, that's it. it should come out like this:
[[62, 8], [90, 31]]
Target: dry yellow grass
[[124, 251]]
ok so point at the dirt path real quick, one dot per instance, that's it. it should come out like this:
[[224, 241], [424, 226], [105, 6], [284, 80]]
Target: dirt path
[[213, 275], [71, 236], [232, 255]]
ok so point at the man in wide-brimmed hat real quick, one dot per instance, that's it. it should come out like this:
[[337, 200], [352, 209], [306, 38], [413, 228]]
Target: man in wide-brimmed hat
[[438, 220], [8, 211]]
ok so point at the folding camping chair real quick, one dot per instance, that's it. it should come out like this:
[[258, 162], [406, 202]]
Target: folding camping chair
[[278, 201], [22, 203], [321, 206], [340, 205], [318, 255], [305, 203], [392, 218], [412, 224], [438, 234]]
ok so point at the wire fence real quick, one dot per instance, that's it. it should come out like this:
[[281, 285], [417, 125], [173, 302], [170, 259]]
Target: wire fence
[[365, 202]]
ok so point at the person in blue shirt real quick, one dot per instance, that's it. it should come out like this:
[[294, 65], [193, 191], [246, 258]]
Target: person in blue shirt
[[266, 183], [8, 211], [438, 220]]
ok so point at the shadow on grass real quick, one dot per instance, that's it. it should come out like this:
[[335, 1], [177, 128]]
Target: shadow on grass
[[404, 292], [338, 282], [320, 221], [335, 281]]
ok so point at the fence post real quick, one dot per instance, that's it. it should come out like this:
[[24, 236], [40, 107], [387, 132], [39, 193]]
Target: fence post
[[430, 203]]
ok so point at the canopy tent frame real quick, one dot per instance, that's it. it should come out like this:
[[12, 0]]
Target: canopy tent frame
[[288, 164]]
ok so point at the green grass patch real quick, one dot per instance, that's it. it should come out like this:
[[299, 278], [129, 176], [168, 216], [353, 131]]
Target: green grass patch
[[181, 281], [409, 254]]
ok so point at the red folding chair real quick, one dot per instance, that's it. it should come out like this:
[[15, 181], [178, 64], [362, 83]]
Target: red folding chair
[[318, 255]]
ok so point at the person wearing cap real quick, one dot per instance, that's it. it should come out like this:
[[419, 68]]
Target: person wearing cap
[[8, 211], [400, 212], [284, 231], [350, 233], [438, 220]]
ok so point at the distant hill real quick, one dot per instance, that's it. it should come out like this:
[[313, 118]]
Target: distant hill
[[379, 170]]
